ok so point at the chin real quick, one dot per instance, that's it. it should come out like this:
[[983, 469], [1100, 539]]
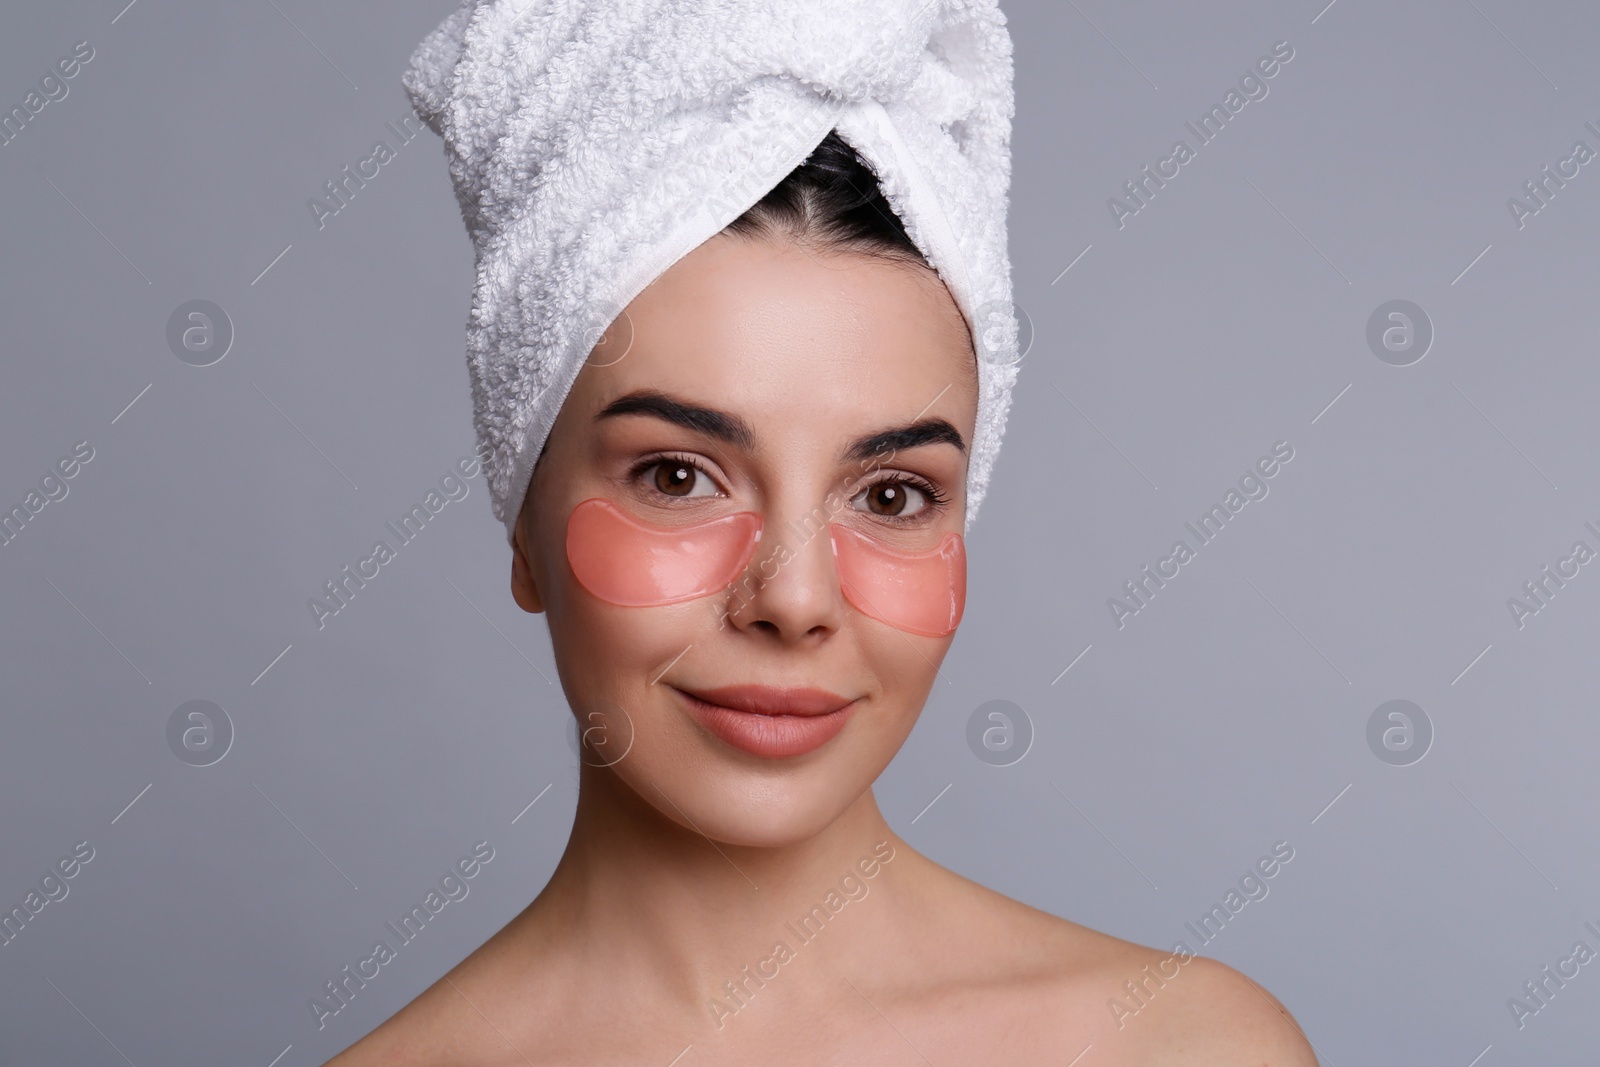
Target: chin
[[741, 811], [737, 815]]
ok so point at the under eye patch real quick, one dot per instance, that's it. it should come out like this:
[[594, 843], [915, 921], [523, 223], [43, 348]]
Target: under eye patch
[[630, 563], [919, 592], [634, 564]]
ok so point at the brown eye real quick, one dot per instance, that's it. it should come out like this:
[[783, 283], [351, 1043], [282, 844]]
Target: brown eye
[[897, 499], [676, 478]]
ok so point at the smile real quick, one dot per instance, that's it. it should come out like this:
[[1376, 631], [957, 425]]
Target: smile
[[769, 722]]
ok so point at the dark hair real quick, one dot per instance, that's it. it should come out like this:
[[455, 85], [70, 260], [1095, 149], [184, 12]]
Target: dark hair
[[833, 200]]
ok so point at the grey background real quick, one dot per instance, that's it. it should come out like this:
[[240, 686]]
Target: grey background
[[1227, 715]]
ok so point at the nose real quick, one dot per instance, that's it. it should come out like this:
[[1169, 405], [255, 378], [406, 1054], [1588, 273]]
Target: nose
[[790, 591]]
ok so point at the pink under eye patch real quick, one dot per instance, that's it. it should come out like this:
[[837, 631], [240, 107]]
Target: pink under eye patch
[[630, 563], [634, 564], [919, 592]]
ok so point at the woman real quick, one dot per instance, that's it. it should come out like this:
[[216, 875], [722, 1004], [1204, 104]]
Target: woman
[[745, 530]]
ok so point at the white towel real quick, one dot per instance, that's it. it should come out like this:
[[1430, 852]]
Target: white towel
[[593, 143]]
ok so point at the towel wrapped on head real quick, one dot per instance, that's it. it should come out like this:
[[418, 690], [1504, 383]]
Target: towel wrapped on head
[[594, 143]]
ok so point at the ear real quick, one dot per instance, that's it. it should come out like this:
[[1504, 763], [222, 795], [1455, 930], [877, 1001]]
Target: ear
[[524, 590]]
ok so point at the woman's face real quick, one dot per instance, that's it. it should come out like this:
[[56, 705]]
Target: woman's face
[[758, 377]]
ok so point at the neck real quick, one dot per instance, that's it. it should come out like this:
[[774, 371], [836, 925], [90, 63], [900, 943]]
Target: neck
[[680, 916]]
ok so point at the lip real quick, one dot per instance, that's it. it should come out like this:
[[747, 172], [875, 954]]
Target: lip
[[769, 721]]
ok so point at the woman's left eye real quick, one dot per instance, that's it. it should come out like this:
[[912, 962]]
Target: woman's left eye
[[674, 477], [894, 499]]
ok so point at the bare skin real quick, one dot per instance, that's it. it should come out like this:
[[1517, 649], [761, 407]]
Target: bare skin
[[676, 923]]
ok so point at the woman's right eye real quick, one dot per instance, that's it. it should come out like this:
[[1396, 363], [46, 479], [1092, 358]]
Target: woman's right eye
[[674, 477]]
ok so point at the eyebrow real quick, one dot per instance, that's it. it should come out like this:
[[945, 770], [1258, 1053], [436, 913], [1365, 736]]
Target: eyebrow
[[735, 431]]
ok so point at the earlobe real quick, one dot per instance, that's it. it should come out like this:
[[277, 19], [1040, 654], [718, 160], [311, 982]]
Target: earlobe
[[523, 588]]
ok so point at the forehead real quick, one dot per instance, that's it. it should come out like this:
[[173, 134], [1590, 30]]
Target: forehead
[[773, 328]]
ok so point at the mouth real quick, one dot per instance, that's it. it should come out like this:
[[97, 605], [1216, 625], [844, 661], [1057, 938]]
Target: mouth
[[768, 721]]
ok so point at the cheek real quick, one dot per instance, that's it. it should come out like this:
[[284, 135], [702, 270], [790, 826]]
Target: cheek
[[628, 563], [922, 593]]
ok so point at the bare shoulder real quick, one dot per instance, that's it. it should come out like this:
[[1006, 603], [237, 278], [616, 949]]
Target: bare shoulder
[[443, 1024], [425, 1031], [1180, 1008], [1209, 1013], [1155, 1007], [1158, 1007], [1081, 991]]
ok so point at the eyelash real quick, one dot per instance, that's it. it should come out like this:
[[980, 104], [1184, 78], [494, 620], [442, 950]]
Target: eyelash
[[937, 498]]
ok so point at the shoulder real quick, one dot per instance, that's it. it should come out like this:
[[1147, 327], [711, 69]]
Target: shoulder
[[439, 1026], [1176, 1007], [405, 1038], [460, 1018], [1119, 1001]]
